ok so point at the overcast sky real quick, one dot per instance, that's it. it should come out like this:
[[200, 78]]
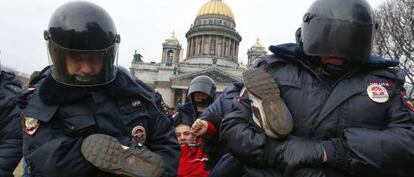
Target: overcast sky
[[144, 25]]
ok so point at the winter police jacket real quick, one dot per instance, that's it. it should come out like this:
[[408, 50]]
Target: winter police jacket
[[10, 131], [366, 137], [57, 118]]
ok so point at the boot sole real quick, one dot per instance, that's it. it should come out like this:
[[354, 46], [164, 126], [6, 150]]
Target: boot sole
[[277, 116], [107, 153]]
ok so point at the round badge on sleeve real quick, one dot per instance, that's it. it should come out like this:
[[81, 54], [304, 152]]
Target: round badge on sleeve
[[377, 93]]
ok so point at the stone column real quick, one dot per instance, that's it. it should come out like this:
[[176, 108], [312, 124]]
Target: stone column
[[237, 51], [188, 48], [200, 45], [207, 45], [193, 46], [183, 96]]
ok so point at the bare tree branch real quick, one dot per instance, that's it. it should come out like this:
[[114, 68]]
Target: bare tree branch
[[395, 36]]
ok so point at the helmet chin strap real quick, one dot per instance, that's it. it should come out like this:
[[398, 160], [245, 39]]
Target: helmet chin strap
[[85, 79]]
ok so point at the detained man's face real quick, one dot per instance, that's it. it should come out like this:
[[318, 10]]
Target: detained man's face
[[84, 66], [184, 135]]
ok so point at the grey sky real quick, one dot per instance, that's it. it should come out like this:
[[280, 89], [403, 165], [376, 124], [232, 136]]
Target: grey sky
[[144, 25]]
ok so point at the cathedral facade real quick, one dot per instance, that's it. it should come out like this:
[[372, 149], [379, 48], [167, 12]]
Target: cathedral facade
[[212, 49]]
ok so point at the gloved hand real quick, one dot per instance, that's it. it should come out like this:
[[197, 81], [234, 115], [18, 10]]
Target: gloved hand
[[296, 153]]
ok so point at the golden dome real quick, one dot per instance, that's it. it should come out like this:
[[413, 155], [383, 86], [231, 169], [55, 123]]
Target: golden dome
[[172, 37], [216, 7], [257, 44]]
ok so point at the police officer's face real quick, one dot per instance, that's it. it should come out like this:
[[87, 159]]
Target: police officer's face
[[184, 135], [200, 96], [84, 65], [200, 99]]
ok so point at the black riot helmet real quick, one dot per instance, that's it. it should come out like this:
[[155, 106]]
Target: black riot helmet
[[338, 28], [203, 84], [82, 32]]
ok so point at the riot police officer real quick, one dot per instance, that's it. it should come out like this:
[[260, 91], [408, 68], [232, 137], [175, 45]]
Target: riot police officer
[[10, 129], [349, 115], [201, 93], [88, 117]]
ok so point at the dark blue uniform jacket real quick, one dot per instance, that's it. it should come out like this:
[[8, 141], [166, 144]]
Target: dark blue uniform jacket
[[67, 115], [10, 131], [366, 138]]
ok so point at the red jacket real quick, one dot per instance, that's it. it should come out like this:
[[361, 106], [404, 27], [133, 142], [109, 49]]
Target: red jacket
[[192, 161]]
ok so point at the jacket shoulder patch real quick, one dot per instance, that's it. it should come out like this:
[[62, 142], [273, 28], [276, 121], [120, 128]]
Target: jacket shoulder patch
[[31, 125]]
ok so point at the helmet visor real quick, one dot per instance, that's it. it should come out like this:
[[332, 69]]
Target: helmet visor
[[83, 68], [339, 38]]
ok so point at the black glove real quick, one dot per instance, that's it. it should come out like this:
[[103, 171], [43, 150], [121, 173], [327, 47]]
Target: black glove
[[296, 153], [309, 172]]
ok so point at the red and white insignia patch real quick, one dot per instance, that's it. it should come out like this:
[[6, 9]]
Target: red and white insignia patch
[[31, 125], [377, 93]]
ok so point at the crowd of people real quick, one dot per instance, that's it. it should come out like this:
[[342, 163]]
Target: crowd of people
[[323, 106]]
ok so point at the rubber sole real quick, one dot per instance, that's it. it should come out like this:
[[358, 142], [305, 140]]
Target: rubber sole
[[108, 154], [274, 116]]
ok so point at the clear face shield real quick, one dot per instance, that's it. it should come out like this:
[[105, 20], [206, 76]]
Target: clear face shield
[[83, 68]]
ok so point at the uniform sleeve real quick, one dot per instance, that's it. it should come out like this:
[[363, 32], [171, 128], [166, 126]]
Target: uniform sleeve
[[164, 142], [212, 116], [216, 107], [243, 140], [219, 108], [10, 131], [222, 105], [391, 149], [10, 145], [367, 152], [50, 153]]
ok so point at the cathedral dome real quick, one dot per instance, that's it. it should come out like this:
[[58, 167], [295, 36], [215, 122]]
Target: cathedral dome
[[216, 7], [212, 38], [172, 40], [257, 44]]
